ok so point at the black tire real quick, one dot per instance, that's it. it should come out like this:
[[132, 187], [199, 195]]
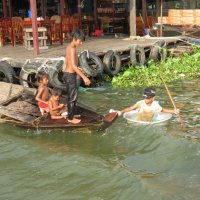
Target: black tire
[[56, 75], [112, 63], [158, 52], [7, 73], [28, 73], [91, 65], [137, 55]]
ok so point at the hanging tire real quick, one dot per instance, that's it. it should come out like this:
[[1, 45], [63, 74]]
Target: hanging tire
[[7, 73], [91, 64], [112, 63], [56, 74], [158, 52], [137, 55], [28, 73]]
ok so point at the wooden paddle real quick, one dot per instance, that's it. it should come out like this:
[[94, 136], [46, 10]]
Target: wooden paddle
[[172, 101]]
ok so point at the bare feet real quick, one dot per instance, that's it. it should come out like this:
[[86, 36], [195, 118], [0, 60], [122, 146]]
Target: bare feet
[[74, 121]]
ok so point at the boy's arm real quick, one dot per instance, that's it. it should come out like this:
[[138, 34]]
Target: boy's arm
[[135, 106], [77, 70], [175, 111], [39, 94], [55, 108]]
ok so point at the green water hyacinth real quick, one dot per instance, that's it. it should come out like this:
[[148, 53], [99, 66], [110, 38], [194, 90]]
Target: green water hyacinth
[[174, 68]]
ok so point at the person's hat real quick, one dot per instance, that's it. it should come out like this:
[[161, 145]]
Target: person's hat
[[149, 92]]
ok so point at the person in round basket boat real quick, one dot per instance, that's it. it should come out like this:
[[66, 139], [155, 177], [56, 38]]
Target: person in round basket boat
[[42, 92], [148, 106], [71, 72]]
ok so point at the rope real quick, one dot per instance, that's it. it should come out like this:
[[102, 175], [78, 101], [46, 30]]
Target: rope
[[87, 53]]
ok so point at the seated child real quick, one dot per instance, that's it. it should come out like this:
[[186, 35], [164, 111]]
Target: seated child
[[42, 93], [57, 110], [148, 107]]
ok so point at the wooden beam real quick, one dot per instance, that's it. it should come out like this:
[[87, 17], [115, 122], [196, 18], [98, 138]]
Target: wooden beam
[[42, 9], [33, 7], [157, 9], [161, 15], [62, 7], [132, 17], [95, 14], [80, 11], [10, 9], [144, 11], [4, 9]]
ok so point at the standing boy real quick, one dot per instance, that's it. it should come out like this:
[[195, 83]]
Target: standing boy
[[42, 93], [72, 71]]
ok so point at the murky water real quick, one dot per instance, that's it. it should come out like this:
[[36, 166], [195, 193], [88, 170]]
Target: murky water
[[124, 162]]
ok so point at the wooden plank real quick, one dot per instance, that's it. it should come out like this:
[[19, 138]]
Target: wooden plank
[[16, 115]]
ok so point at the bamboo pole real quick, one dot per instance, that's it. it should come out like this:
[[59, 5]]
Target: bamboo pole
[[172, 101]]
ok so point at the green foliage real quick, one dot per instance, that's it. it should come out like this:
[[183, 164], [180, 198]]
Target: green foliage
[[185, 66]]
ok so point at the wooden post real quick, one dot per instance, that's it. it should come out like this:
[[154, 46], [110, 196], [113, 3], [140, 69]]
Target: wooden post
[[161, 15], [4, 9], [157, 9], [62, 7], [10, 8], [144, 11], [95, 15], [80, 12], [132, 17], [42, 9], [34, 27]]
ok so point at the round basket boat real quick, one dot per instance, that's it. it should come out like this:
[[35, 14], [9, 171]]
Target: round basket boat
[[158, 118]]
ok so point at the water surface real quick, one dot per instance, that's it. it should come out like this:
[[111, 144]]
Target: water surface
[[126, 161]]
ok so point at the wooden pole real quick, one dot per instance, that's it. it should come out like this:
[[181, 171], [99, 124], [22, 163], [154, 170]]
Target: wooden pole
[[80, 12], [161, 15], [172, 101], [4, 9], [144, 11], [157, 8], [10, 8], [42, 9], [62, 7], [95, 14], [132, 17], [34, 27]]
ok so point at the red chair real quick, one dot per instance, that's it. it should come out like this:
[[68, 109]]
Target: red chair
[[6, 31]]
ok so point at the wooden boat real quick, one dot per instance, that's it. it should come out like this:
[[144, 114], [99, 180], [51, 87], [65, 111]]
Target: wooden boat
[[23, 111], [158, 118]]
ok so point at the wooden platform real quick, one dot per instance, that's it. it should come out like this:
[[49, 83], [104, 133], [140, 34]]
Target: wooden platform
[[98, 45]]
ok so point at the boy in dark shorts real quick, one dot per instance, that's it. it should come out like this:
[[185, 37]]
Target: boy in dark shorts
[[71, 72]]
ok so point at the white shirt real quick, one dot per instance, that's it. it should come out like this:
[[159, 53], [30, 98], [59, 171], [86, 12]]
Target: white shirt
[[154, 107]]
